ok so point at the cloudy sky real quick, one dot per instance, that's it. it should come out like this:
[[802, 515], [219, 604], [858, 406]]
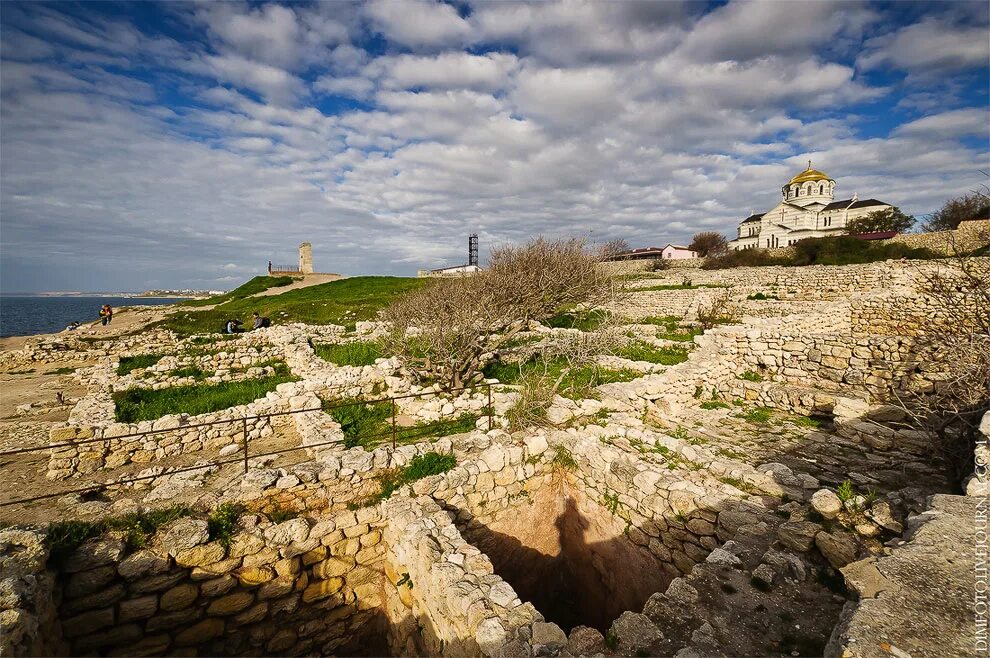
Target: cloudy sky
[[185, 145]]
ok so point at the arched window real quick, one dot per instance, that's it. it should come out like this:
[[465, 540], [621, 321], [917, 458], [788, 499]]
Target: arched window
[[821, 188]]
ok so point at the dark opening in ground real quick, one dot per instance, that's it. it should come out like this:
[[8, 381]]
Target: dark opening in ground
[[571, 557]]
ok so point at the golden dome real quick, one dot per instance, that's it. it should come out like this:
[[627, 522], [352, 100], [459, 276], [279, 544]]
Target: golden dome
[[809, 174]]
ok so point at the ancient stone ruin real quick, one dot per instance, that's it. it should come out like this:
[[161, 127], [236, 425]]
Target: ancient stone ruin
[[761, 497]]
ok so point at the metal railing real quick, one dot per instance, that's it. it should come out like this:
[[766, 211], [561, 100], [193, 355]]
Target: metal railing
[[392, 433]]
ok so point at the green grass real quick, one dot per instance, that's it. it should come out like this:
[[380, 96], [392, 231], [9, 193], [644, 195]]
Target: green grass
[[759, 296], [640, 351], [222, 523], [139, 404], [129, 363], [751, 376], [252, 287], [671, 328], [563, 459], [211, 339], [370, 424], [338, 302], [759, 415], [421, 466], [714, 404], [677, 286], [188, 371], [21, 372], [807, 421], [361, 353], [64, 537], [578, 384], [583, 320]]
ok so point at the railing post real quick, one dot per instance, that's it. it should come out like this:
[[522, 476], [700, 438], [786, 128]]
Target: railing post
[[244, 431], [394, 407], [491, 409]]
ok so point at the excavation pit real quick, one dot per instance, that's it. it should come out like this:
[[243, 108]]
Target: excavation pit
[[572, 558]]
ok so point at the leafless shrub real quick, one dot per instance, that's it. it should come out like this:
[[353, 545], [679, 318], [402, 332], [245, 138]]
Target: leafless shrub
[[949, 392], [446, 331], [719, 310], [613, 248], [536, 394], [657, 265]]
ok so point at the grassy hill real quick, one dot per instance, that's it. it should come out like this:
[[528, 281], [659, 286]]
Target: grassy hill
[[251, 287], [338, 302]]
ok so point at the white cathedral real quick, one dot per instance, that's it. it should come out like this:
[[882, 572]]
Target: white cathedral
[[807, 210]]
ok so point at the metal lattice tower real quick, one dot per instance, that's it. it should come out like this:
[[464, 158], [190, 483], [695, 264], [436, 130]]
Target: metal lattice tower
[[473, 249]]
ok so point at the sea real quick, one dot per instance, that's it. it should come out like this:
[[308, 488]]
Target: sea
[[23, 315]]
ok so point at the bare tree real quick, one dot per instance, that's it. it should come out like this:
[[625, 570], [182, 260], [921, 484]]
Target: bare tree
[[446, 332], [954, 211], [613, 248], [948, 392], [719, 310]]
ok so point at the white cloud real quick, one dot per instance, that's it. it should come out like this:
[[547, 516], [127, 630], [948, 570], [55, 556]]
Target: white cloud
[[418, 22], [932, 46], [609, 120], [953, 124]]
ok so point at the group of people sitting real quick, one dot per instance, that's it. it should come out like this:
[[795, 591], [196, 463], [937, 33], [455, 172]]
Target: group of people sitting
[[234, 325]]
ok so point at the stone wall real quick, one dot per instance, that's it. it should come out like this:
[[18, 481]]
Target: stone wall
[[969, 236], [287, 589], [29, 625]]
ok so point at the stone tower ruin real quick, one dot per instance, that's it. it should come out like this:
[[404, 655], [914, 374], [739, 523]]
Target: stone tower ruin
[[306, 258]]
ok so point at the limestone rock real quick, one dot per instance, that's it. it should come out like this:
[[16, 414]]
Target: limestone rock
[[585, 641], [826, 503], [635, 632], [881, 514], [203, 632], [142, 563], [183, 534], [723, 558], [179, 597], [293, 530], [490, 636], [839, 548], [548, 638], [230, 604], [763, 576], [798, 535], [94, 553]]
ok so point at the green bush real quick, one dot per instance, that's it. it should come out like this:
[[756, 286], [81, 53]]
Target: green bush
[[222, 523], [64, 537], [577, 384], [359, 353], [137, 404], [640, 351], [759, 296], [714, 404], [421, 466], [847, 250], [563, 459], [129, 363], [751, 376]]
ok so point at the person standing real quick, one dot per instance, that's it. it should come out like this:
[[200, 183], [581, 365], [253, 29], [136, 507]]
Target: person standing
[[106, 314]]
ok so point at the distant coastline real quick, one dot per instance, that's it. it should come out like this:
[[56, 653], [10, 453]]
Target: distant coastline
[[118, 295]]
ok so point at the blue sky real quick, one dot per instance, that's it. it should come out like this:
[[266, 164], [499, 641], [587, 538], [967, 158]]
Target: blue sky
[[185, 145]]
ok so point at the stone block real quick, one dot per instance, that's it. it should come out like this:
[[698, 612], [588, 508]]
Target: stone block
[[230, 604], [87, 622], [322, 589], [179, 597], [140, 607], [86, 582], [204, 631]]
